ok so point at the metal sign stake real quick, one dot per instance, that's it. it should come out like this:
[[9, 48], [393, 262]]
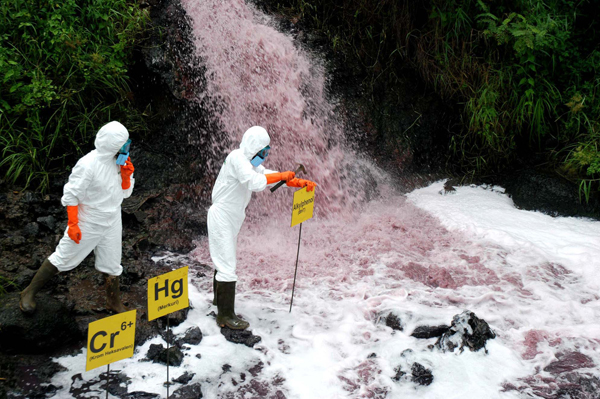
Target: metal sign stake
[[296, 271]]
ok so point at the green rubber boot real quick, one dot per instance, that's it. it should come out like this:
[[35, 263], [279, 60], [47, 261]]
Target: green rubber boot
[[215, 288], [44, 273], [113, 295], [226, 306]]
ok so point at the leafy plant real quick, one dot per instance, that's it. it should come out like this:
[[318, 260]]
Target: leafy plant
[[63, 66]]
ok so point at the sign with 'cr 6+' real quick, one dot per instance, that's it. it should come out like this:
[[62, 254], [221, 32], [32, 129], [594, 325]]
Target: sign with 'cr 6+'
[[304, 204], [168, 293], [110, 339]]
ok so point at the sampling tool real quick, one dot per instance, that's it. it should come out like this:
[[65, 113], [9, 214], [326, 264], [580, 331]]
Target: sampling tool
[[299, 169]]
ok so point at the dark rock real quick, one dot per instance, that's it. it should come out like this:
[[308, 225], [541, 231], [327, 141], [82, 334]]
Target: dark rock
[[240, 337], [421, 375], [52, 326], [31, 229], [184, 378], [141, 395], [175, 318], [394, 322], [117, 384], [226, 368], [578, 386], [193, 391], [425, 332], [372, 356], [158, 354], [466, 330], [154, 351], [193, 336], [39, 392], [399, 374], [13, 242], [541, 191], [568, 362], [48, 222]]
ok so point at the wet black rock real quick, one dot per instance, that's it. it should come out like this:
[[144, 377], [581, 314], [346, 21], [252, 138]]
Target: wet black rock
[[48, 222], [421, 375], [193, 336], [141, 395], [158, 354], [579, 386], [193, 391], [175, 318], [394, 322], [537, 190], [184, 378], [31, 229], [51, 326], [240, 337], [174, 354], [399, 374], [466, 330], [425, 332]]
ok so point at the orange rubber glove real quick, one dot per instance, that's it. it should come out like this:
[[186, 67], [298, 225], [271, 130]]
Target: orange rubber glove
[[126, 172], [302, 183], [74, 232], [277, 177]]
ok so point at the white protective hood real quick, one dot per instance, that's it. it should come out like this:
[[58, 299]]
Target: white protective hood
[[255, 139]]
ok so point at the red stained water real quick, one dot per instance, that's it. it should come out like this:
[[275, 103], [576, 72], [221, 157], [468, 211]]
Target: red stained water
[[352, 248]]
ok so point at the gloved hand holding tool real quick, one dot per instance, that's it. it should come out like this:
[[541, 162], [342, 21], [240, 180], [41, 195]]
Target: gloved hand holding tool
[[299, 169], [302, 183], [281, 177]]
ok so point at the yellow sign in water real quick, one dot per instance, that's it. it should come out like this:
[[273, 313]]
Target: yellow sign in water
[[304, 204], [168, 293], [110, 339]]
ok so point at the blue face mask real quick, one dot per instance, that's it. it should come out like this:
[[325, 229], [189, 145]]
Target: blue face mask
[[123, 153], [260, 156]]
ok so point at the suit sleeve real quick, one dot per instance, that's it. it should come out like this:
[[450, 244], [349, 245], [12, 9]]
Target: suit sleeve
[[79, 180], [245, 173]]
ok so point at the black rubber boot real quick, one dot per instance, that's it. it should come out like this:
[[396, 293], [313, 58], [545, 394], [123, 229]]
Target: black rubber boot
[[113, 295], [215, 288], [226, 306], [45, 273]]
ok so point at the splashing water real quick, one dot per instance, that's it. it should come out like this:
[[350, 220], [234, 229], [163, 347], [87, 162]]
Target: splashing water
[[256, 76], [368, 256], [361, 260]]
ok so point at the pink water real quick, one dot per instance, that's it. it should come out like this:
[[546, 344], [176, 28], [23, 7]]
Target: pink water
[[379, 252]]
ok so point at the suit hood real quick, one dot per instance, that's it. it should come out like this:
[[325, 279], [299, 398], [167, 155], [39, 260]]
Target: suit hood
[[255, 139], [110, 139]]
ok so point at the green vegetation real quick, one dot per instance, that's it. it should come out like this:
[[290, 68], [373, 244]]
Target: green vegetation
[[63, 71], [525, 72], [5, 285]]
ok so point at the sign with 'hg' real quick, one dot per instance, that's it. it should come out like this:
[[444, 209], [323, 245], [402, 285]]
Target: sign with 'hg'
[[168, 293], [304, 204], [110, 339]]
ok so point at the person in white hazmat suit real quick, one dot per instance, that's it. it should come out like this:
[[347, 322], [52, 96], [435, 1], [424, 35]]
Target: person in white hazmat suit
[[93, 196], [240, 175]]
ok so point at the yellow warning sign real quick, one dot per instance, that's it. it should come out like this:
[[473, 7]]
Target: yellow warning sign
[[304, 204], [168, 293], [110, 339]]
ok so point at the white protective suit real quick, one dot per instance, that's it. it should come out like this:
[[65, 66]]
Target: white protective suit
[[94, 186], [230, 197]]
